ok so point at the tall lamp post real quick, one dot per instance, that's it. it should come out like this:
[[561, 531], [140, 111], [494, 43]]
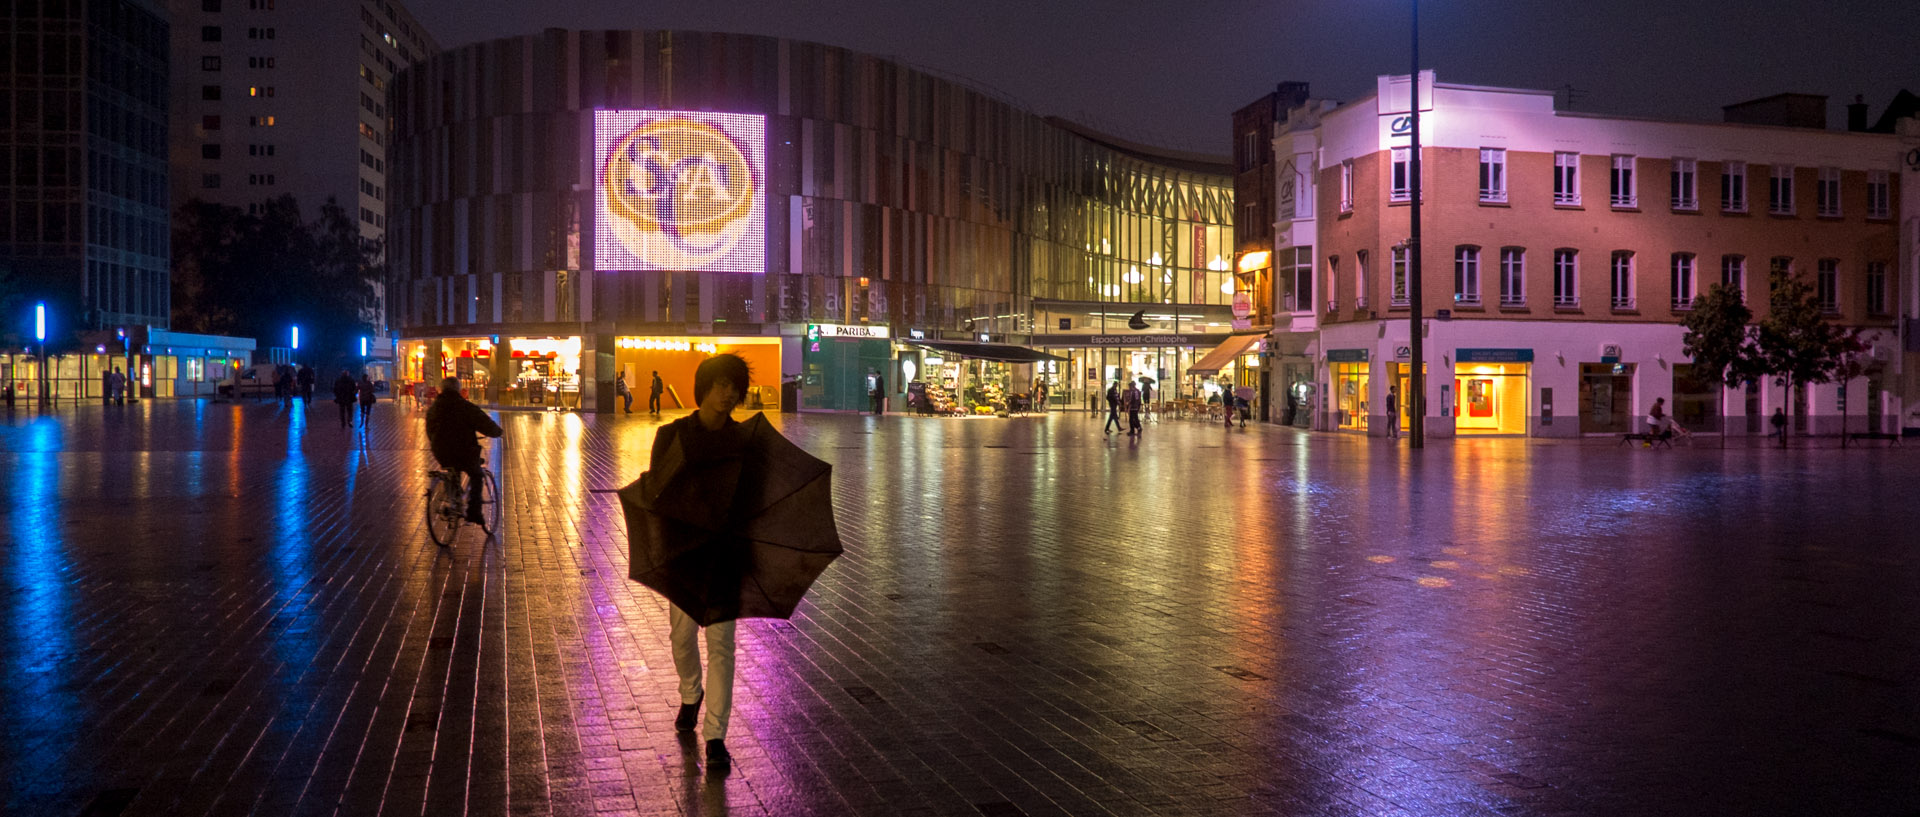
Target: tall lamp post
[[40, 338], [1417, 378]]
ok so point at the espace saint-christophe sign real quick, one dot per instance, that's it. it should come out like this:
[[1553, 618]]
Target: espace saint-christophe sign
[[679, 190]]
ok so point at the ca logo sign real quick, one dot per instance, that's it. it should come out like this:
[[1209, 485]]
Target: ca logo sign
[[680, 193]]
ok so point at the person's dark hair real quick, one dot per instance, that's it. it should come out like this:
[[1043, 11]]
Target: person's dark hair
[[725, 366], [451, 384]]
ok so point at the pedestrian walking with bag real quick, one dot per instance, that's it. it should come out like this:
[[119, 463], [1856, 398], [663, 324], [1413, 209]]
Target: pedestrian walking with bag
[[344, 392], [653, 394], [1113, 408], [1130, 403]]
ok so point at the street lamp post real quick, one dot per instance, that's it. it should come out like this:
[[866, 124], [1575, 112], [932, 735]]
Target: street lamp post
[[1417, 378], [40, 337]]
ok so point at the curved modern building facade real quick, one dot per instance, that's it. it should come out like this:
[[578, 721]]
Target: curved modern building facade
[[574, 208]]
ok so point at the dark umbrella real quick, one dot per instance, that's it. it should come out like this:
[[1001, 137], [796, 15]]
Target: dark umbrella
[[732, 524]]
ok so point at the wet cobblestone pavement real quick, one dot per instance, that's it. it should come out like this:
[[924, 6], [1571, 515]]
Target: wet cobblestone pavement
[[229, 610]]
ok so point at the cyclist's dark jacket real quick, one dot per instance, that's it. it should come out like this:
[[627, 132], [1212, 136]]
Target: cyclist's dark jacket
[[451, 424]]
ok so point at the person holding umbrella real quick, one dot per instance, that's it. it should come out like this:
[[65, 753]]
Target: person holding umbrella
[[730, 521]]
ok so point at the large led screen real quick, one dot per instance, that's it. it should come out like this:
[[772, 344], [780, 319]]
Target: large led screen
[[680, 190]]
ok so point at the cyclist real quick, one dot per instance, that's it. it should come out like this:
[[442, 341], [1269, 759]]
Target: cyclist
[[452, 422]]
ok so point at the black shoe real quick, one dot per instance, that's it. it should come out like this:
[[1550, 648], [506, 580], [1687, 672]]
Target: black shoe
[[718, 758], [689, 716]]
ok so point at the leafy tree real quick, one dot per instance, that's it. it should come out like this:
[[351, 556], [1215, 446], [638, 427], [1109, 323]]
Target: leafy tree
[[1721, 343], [1795, 342], [258, 274]]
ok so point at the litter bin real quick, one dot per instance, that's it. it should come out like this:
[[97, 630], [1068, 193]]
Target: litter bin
[[790, 395]]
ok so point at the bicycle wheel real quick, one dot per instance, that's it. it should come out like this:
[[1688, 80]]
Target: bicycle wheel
[[443, 510], [490, 501]]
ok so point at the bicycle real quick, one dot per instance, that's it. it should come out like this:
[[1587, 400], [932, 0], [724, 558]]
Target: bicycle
[[446, 506]]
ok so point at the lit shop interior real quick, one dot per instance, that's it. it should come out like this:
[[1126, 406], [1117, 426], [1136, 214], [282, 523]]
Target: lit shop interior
[[1492, 398], [1352, 402], [965, 379], [676, 359]]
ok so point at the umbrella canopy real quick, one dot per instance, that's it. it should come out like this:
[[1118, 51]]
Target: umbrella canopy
[[734, 524]]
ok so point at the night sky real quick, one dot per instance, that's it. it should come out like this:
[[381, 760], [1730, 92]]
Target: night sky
[[1170, 73]]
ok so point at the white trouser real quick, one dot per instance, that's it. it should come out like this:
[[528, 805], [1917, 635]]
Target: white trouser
[[686, 662]]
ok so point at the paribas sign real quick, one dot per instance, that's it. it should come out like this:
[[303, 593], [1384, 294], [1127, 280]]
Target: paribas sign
[[836, 330]]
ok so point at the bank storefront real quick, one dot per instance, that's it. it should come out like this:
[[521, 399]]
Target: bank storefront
[[838, 363]]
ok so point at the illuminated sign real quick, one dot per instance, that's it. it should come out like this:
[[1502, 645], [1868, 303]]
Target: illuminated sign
[[837, 330], [680, 190]]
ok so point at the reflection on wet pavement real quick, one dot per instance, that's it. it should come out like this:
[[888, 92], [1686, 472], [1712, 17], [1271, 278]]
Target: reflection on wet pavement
[[231, 609]]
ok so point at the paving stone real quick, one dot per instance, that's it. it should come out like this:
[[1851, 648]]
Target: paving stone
[[213, 609]]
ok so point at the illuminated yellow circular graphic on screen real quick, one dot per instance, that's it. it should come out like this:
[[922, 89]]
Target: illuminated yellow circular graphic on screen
[[680, 193]]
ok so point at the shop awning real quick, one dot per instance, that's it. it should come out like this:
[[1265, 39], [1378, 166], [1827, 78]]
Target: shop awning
[[1005, 353], [1223, 354]]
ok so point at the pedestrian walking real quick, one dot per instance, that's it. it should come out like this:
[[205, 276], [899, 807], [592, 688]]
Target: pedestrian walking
[[626, 394], [366, 399], [877, 390], [283, 385], [106, 386], [306, 379], [718, 386], [1130, 403], [343, 395], [1226, 401], [1113, 408], [653, 394], [1780, 424], [1393, 412], [1040, 394], [1146, 400]]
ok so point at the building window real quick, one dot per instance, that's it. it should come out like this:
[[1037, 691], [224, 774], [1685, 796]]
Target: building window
[[209, 151], [1827, 193], [1399, 295], [1780, 190], [1566, 178], [1466, 275], [1333, 282], [1685, 177], [1402, 189], [1827, 284], [1878, 198], [210, 122], [210, 180], [1682, 280], [1513, 276], [1493, 174], [210, 5], [1733, 187], [209, 63], [1362, 282], [1566, 278], [1621, 185], [1346, 186], [1621, 282], [1876, 287], [209, 34], [1780, 265], [210, 92], [1733, 273]]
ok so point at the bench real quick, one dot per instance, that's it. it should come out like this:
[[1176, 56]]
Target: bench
[[1856, 436], [1662, 439]]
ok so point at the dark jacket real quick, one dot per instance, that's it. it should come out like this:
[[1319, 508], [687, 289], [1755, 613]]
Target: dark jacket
[[656, 388], [306, 377], [366, 393], [1113, 397], [451, 424], [343, 388]]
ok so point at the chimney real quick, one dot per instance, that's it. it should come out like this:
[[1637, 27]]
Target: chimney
[[1857, 114]]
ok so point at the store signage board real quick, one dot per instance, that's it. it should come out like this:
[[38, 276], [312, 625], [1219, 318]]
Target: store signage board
[[1609, 353], [838, 330], [1493, 356], [1242, 304], [679, 190], [1346, 355]]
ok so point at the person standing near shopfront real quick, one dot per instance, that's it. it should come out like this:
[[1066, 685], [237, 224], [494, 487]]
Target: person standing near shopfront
[[626, 394], [877, 390], [1130, 403], [653, 394], [1113, 408], [1040, 394], [1393, 412]]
